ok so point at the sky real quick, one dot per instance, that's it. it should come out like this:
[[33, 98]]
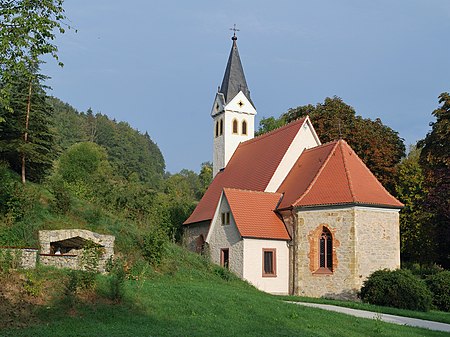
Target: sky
[[157, 64]]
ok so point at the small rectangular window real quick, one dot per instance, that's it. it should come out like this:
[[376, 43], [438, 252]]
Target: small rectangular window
[[269, 263], [225, 258], [226, 218]]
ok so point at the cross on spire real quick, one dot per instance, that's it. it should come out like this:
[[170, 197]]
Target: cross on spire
[[234, 29]]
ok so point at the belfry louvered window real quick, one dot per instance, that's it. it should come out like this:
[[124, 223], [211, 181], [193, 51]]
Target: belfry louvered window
[[326, 250]]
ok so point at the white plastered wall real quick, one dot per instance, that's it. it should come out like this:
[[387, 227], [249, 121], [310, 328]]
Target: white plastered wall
[[253, 265], [225, 145], [306, 138]]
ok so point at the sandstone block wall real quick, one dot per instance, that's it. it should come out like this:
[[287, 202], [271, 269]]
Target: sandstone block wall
[[340, 283], [378, 241], [364, 240]]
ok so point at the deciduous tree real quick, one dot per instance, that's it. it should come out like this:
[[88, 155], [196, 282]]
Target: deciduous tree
[[376, 144], [435, 160]]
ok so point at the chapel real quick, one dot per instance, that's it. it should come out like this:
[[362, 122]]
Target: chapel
[[285, 212]]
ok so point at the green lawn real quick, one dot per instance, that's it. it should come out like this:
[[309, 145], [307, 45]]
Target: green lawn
[[174, 306], [188, 296]]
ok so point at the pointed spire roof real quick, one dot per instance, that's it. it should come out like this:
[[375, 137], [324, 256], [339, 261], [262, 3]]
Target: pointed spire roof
[[234, 78]]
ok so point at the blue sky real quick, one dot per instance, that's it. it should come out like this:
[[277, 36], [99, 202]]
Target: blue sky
[[157, 64]]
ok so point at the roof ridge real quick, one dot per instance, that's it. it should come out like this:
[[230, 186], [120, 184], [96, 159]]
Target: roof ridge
[[319, 171], [252, 191], [274, 131], [347, 172], [370, 172], [318, 147]]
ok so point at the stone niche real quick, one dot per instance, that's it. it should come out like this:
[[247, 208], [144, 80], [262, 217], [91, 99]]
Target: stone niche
[[64, 248]]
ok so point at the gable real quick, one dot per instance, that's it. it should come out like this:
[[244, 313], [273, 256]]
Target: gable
[[305, 139], [254, 214], [240, 103], [250, 168]]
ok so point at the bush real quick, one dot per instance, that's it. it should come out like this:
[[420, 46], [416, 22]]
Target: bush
[[9, 259], [117, 280], [439, 284], [62, 199], [153, 245], [396, 288], [423, 270]]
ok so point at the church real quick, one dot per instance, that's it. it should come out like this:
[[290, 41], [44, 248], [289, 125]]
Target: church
[[285, 212]]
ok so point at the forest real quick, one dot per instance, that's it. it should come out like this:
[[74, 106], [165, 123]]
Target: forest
[[61, 167]]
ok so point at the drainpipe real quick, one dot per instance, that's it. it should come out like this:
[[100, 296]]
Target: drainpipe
[[294, 260]]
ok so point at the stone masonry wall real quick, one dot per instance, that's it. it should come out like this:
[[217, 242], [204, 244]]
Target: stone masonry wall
[[46, 237], [26, 257], [227, 236], [378, 241], [60, 261], [193, 232], [364, 240], [342, 281]]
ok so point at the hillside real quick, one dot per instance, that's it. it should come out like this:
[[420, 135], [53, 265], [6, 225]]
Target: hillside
[[184, 296]]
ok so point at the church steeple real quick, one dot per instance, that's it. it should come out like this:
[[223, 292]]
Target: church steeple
[[233, 111], [234, 78]]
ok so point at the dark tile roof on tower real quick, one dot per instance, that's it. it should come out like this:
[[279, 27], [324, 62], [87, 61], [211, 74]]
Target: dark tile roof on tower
[[234, 78]]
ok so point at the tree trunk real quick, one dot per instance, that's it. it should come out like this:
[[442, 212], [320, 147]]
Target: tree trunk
[[25, 134]]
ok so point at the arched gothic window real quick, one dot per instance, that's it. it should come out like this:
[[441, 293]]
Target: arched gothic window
[[244, 127], [217, 128], [326, 250], [221, 127], [235, 126]]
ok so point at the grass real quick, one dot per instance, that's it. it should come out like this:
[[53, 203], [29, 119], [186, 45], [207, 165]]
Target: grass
[[187, 296], [437, 316]]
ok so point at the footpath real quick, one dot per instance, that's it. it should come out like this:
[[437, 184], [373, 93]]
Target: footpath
[[415, 322]]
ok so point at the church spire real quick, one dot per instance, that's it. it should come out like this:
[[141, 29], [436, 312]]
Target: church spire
[[234, 78]]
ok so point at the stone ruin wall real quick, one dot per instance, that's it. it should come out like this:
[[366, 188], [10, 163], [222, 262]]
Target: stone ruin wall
[[25, 258]]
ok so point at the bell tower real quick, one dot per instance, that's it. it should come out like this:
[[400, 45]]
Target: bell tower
[[233, 111]]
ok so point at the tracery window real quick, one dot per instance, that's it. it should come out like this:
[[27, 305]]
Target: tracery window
[[326, 250]]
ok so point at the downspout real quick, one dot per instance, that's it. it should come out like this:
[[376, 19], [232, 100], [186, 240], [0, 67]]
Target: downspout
[[294, 260]]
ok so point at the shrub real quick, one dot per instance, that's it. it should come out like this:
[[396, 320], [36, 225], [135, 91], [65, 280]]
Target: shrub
[[424, 270], [153, 245], [396, 288], [117, 280], [9, 259], [439, 285], [33, 284], [62, 199]]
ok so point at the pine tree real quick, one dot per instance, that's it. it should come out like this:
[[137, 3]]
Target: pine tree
[[26, 138]]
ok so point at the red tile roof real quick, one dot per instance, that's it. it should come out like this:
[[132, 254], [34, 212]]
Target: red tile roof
[[250, 168], [333, 174], [255, 217]]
